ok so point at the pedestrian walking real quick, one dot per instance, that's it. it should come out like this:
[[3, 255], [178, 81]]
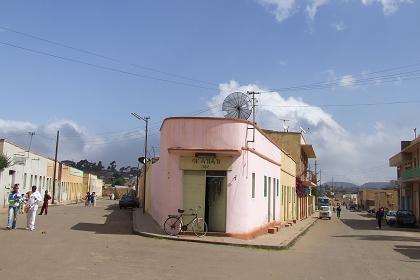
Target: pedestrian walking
[[87, 199], [47, 197], [379, 217], [338, 211], [32, 204], [14, 203], [93, 199]]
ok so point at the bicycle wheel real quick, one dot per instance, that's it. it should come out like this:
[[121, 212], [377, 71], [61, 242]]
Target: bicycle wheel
[[172, 226], [199, 227]]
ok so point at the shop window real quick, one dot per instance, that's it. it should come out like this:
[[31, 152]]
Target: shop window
[[253, 185], [265, 186]]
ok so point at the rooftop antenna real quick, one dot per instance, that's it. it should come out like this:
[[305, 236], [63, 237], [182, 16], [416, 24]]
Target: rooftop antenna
[[303, 131], [285, 126]]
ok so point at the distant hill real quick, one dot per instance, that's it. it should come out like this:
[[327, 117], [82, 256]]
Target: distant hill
[[376, 185], [351, 186], [345, 185]]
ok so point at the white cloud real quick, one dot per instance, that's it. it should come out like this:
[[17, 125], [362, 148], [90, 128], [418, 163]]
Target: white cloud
[[76, 142], [338, 26], [282, 9], [313, 6], [388, 6], [342, 154], [347, 81]]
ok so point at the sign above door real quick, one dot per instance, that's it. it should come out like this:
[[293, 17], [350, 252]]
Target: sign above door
[[206, 163]]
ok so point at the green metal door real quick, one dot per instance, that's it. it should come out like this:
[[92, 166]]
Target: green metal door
[[216, 203], [194, 191]]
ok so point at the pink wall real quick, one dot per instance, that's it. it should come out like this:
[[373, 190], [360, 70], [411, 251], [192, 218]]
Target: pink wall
[[244, 213]]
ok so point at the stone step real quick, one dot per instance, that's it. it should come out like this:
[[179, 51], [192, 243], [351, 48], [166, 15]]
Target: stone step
[[272, 230]]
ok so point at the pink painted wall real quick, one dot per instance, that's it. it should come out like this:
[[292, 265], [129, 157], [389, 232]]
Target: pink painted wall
[[244, 213]]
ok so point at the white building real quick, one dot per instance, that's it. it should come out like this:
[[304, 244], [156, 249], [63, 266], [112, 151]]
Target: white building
[[27, 169]]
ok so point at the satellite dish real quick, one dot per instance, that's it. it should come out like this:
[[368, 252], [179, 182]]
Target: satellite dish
[[237, 105]]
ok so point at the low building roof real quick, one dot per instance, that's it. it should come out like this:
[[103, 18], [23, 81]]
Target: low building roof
[[309, 150]]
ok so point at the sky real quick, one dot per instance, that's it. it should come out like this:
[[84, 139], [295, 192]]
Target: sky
[[81, 67]]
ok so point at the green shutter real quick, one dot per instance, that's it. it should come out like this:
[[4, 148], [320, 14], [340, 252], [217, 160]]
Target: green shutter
[[265, 186]]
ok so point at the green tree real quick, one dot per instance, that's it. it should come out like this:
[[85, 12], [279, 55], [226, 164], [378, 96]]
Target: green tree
[[315, 191], [119, 182], [5, 162]]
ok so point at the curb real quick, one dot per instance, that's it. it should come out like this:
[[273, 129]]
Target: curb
[[254, 246]]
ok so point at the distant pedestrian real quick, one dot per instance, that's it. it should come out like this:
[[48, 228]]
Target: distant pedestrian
[[14, 202], [33, 199], [338, 211], [379, 217], [47, 197], [87, 199], [93, 199]]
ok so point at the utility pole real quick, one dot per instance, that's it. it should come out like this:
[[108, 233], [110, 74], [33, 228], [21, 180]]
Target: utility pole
[[31, 135], [55, 166], [415, 133], [254, 104], [145, 119]]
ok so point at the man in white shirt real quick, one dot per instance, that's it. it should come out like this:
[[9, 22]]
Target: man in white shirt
[[33, 199]]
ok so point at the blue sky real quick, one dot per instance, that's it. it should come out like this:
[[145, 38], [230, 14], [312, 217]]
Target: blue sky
[[269, 44]]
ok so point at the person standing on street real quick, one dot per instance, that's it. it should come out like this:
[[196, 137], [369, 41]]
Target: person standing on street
[[93, 199], [338, 211], [14, 203], [45, 204], [379, 217], [32, 203], [87, 199]]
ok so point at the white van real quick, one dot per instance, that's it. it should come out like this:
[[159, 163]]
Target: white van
[[325, 212]]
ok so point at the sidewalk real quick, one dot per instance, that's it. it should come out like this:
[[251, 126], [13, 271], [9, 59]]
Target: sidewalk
[[145, 226]]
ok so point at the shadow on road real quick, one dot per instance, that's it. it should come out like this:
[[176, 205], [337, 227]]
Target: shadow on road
[[381, 237], [117, 222], [413, 252], [371, 224]]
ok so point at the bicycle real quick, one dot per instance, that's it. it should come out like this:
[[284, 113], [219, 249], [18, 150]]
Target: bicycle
[[174, 224]]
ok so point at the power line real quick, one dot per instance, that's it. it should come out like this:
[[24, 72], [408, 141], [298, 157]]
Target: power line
[[344, 105], [105, 67], [341, 82], [104, 56]]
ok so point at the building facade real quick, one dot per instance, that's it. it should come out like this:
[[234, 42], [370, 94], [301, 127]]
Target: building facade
[[29, 169], [297, 148], [375, 199], [91, 183], [227, 167], [407, 162]]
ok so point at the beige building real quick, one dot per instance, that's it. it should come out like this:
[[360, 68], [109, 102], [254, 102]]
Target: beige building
[[300, 152], [288, 188], [71, 187], [407, 162], [91, 183], [374, 199]]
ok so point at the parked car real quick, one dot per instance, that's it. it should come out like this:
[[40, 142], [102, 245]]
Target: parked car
[[406, 218], [371, 211], [352, 207], [325, 212], [129, 201], [391, 217]]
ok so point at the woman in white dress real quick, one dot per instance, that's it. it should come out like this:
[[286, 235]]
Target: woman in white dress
[[32, 203]]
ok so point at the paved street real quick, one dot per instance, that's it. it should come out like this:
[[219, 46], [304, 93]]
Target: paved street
[[73, 242]]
